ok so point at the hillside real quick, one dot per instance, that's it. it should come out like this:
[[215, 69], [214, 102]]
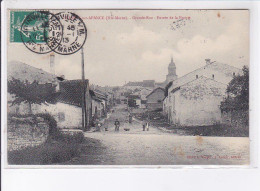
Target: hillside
[[24, 72]]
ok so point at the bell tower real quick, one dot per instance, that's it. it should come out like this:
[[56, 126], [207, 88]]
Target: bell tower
[[171, 76]]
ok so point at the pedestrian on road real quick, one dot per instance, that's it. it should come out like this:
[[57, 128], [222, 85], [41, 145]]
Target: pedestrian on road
[[147, 126], [117, 124], [98, 126], [144, 124], [130, 118]]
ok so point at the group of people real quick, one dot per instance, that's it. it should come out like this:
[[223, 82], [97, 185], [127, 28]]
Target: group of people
[[145, 125]]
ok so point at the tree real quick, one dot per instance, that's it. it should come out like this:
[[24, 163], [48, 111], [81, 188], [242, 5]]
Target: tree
[[32, 93], [238, 93]]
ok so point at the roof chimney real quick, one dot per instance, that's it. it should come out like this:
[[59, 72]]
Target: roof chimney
[[207, 61]]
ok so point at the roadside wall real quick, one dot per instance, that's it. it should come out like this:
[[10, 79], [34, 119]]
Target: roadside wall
[[20, 136]]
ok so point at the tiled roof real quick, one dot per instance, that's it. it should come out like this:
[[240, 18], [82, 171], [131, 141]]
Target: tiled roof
[[155, 91], [215, 67], [71, 92]]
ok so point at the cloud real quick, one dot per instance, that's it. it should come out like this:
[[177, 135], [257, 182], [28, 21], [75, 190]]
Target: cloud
[[190, 53], [116, 52]]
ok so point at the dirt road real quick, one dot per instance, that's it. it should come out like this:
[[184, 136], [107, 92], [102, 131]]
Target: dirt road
[[155, 147]]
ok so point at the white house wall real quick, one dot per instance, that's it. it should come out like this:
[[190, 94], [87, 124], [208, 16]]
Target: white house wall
[[197, 103], [66, 115], [72, 114]]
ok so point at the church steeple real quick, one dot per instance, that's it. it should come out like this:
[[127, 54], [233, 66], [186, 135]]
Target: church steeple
[[171, 72], [172, 67]]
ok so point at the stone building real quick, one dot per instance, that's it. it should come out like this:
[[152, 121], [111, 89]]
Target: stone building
[[142, 93], [141, 84], [68, 109], [155, 99], [194, 99], [98, 104]]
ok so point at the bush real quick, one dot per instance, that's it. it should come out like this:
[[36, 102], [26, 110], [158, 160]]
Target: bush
[[52, 123], [64, 148]]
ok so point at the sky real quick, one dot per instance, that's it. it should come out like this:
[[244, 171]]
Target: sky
[[119, 51]]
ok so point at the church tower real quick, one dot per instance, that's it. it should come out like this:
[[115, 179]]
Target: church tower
[[171, 72]]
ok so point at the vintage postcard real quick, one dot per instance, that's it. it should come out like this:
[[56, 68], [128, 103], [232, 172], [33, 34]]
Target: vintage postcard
[[127, 87]]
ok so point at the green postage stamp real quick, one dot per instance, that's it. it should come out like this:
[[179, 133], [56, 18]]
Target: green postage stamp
[[16, 20]]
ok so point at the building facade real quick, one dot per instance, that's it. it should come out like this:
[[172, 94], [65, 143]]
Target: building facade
[[155, 99], [194, 99]]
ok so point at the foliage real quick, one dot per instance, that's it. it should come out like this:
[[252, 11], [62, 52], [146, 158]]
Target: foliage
[[238, 93], [52, 123], [32, 93], [56, 151]]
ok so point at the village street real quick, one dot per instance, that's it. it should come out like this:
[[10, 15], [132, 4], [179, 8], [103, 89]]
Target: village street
[[156, 147]]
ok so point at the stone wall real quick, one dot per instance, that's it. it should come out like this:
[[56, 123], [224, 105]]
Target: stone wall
[[23, 135]]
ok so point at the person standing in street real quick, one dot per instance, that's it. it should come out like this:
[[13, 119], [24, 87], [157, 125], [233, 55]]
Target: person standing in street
[[130, 118], [117, 124], [144, 124], [147, 126]]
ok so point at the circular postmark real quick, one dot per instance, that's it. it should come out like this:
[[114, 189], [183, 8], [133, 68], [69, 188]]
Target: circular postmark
[[74, 33], [41, 32]]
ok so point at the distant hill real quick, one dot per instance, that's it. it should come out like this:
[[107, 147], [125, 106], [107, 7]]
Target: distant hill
[[25, 72]]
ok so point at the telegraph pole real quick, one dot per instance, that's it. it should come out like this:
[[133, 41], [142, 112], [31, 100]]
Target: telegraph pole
[[84, 112]]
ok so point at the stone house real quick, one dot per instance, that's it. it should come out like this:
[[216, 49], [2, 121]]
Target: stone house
[[155, 99], [194, 99], [68, 109], [134, 101], [98, 104], [142, 93]]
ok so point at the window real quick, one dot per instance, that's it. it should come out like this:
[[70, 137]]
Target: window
[[234, 73], [197, 76], [213, 76], [61, 116]]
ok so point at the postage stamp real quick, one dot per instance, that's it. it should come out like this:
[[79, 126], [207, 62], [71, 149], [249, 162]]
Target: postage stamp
[[128, 87], [43, 32]]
